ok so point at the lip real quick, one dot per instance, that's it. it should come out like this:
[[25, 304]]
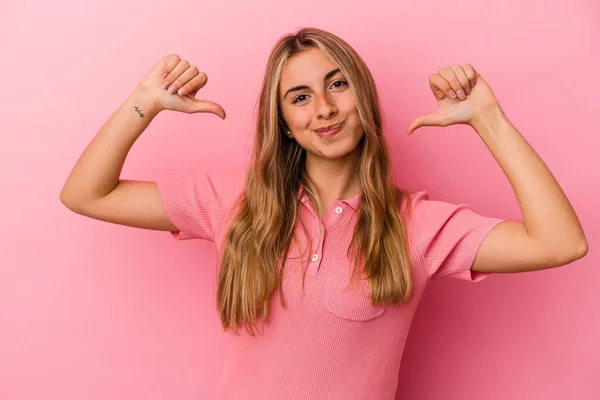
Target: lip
[[330, 131]]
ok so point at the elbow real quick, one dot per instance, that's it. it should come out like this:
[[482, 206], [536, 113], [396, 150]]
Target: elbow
[[574, 253], [582, 249], [69, 202], [65, 199]]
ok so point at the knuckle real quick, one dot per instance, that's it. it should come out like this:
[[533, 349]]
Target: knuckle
[[178, 83], [203, 76], [184, 63], [193, 69]]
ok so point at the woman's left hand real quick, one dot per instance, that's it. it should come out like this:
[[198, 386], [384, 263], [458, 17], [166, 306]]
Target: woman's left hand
[[462, 96]]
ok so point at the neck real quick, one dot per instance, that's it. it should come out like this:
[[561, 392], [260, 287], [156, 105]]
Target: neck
[[335, 179]]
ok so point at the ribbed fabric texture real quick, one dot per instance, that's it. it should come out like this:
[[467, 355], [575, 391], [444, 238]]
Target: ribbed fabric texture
[[330, 342]]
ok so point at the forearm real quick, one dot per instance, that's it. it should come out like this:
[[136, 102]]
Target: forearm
[[98, 169], [548, 215]]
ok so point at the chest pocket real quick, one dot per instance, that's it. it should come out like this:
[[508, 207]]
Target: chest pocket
[[350, 302]]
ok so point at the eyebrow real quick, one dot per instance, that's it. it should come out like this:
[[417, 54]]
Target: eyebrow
[[300, 87]]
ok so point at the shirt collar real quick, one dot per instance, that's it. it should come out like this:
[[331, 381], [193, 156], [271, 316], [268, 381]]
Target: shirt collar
[[352, 201]]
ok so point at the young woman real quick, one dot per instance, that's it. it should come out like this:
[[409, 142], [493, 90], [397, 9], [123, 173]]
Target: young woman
[[323, 259]]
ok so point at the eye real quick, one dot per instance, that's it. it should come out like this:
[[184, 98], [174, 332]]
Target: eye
[[298, 98], [342, 82], [337, 84]]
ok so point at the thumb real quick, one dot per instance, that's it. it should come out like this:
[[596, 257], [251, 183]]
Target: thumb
[[206, 106], [434, 119]]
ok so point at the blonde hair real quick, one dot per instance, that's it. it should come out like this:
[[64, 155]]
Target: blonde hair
[[256, 245]]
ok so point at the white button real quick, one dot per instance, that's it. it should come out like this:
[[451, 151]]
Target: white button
[[315, 257], [338, 210]]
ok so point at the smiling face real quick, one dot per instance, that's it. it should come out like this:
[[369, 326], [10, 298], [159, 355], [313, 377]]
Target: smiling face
[[314, 95]]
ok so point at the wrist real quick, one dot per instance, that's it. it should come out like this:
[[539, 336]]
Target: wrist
[[487, 116], [145, 101], [491, 125]]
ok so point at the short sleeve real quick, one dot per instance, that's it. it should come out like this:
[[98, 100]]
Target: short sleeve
[[197, 204], [449, 237]]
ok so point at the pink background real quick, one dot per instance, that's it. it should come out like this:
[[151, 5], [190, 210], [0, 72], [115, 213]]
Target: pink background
[[90, 310]]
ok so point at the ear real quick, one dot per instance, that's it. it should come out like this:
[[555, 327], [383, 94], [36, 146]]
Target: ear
[[287, 131]]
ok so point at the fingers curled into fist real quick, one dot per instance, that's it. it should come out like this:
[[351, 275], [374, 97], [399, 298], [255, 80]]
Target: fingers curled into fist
[[181, 77], [453, 82]]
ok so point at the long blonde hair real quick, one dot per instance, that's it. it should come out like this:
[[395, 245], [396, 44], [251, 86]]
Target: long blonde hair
[[259, 236]]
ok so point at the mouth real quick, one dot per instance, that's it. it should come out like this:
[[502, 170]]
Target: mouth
[[329, 130]]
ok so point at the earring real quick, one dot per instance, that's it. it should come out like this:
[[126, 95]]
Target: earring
[[289, 133]]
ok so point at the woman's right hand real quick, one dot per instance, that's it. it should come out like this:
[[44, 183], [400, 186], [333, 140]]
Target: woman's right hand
[[184, 81]]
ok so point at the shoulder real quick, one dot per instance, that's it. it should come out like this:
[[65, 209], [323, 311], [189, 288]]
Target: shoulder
[[447, 235], [434, 223], [421, 211], [197, 204], [209, 187]]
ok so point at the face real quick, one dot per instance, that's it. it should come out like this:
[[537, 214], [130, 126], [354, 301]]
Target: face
[[315, 96]]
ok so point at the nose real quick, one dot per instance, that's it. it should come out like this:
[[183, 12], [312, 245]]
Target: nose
[[326, 107]]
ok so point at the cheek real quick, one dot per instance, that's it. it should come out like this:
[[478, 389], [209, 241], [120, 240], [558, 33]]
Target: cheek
[[347, 105], [349, 109], [298, 117]]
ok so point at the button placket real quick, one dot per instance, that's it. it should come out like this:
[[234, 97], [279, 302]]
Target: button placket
[[330, 220], [316, 258]]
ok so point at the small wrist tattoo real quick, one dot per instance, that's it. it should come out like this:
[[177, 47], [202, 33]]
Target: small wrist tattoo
[[137, 109]]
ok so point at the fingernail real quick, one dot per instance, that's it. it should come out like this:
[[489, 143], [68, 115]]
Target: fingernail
[[172, 89], [452, 94], [165, 85], [461, 94], [182, 91]]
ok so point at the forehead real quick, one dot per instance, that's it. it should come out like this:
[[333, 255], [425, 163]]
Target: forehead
[[305, 68]]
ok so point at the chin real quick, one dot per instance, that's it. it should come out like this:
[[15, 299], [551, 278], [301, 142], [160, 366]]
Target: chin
[[332, 152]]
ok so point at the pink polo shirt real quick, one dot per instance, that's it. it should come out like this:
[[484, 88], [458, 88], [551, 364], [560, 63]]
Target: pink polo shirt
[[329, 343]]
